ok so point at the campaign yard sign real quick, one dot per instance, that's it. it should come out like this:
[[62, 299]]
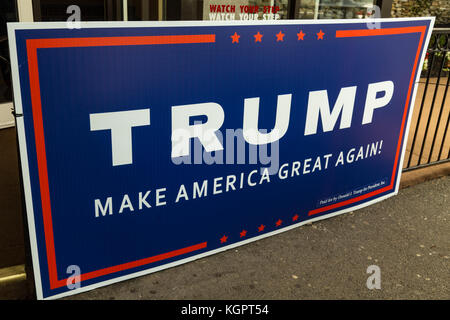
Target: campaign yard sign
[[147, 145]]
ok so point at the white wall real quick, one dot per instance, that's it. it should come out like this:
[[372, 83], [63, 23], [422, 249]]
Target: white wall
[[6, 117]]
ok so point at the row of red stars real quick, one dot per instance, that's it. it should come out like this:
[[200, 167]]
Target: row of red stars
[[261, 228], [280, 36]]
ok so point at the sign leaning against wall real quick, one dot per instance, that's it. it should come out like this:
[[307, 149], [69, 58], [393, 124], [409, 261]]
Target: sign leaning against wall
[[146, 145]]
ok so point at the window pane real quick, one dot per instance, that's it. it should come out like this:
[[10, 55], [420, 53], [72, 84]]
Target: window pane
[[219, 10], [142, 10], [184, 9], [244, 9], [91, 10], [8, 13], [332, 9]]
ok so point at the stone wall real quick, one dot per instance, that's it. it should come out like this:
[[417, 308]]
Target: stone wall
[[420, 8]]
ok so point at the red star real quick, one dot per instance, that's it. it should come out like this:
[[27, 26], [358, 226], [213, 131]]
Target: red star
[[300, 35], [320, 35], [280, 36], [243, 233], [294, 218], [278, 223], [258, 37], [223, 239], [235, 38], [261, 228]]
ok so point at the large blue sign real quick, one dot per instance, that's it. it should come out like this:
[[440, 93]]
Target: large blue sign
[[148, 145]]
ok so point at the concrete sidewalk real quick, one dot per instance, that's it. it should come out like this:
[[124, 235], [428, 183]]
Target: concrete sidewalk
[[407, 236]]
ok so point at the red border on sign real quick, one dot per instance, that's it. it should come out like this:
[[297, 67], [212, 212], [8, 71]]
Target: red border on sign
[[381, 32], [32, 46]]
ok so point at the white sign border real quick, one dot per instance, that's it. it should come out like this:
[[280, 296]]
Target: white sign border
[[12, 27]]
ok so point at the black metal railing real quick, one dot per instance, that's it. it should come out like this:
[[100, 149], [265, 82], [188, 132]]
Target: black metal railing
[[429, 139]]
